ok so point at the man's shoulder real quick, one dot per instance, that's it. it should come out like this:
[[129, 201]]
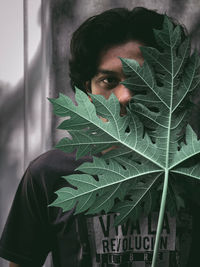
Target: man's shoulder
[[55, 163], [52, 160], [46, 171]]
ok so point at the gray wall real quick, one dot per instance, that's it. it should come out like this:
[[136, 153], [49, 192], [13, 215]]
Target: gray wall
[[34, 67]]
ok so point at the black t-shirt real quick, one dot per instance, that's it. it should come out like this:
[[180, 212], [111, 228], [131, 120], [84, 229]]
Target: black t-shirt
[[33, 229]]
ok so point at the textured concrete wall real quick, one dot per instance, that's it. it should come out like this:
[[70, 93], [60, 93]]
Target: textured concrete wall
[[48, 75]]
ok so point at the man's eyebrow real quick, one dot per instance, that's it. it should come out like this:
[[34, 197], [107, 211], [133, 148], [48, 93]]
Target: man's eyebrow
[[110, 72]]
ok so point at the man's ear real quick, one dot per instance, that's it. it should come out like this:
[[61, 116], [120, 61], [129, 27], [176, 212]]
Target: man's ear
[[88, 89]]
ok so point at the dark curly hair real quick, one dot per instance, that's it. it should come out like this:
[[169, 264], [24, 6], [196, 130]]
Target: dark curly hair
[[112, 27]]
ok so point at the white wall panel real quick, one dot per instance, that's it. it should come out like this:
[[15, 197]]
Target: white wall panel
[[24, 75]]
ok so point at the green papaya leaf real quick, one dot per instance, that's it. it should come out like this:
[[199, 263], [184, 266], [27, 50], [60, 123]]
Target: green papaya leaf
[[153, 139], [112, 184], [132, 209]]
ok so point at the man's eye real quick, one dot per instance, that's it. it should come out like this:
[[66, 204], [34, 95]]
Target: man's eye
[[110, 82]]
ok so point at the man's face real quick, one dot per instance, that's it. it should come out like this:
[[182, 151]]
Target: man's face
[[110, 74]]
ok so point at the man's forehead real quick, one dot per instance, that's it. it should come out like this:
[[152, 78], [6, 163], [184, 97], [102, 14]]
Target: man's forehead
[[109, 60], [130, 48]]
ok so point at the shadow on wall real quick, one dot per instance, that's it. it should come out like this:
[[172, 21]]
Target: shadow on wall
[[12, 118], [11, 125]]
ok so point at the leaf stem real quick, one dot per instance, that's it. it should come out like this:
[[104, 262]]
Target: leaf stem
[[160, 219]]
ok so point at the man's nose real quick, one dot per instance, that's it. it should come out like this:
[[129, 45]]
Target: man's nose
[[123, 94]]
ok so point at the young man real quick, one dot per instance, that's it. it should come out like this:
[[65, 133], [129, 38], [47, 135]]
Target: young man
[[33, 229]]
